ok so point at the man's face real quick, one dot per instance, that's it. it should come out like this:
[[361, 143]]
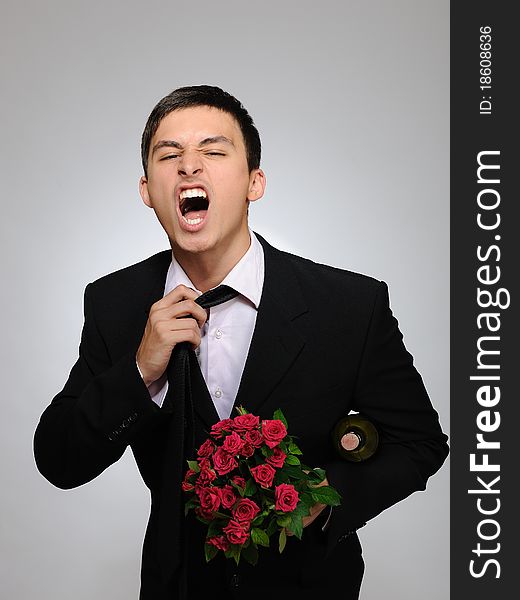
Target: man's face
[[199, 183]]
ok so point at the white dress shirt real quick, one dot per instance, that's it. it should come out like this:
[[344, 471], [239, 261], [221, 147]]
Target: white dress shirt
[[226, 335]]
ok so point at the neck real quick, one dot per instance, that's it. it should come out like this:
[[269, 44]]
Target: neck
[[208, 269]]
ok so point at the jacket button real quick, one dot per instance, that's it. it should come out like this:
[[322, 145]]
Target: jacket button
[[235, 581]]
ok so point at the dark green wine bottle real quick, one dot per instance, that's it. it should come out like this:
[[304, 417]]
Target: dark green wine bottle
[[355, 438]]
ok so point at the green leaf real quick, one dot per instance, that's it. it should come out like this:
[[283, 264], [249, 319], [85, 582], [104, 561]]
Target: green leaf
[[205, 521], [220, 515], [214, 528], [272, 527], [257, 520], [234, 552], [250, 487], [284, 520], [292, 460], [282, 540], [241, 410], [278, 414], [210, 551], [238, 488], [326, 495], [293, 449], [266, 451], [301, 509], [294, 471], [193, 465], [250, 554], [259, 537], [319, 472], [306, 500], [296, 525]]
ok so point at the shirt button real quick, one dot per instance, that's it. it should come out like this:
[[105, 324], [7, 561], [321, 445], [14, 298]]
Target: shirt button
[[218, 393], [218, 334]]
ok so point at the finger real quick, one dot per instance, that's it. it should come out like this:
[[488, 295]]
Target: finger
[[180, 310], [186, 335], [172, 331], [189, 308], [181, 292]]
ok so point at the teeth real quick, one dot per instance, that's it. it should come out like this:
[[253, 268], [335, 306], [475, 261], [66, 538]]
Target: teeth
[[193, 221], [193, 193]]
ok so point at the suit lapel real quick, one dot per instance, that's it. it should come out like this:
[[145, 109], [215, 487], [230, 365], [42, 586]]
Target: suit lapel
[[276, 341], [157, 280]]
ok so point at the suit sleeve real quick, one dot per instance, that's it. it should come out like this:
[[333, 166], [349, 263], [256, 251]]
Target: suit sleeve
[[412, 446], [102, 408]]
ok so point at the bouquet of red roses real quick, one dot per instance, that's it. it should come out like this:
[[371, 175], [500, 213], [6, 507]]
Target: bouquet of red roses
[[248, 483]]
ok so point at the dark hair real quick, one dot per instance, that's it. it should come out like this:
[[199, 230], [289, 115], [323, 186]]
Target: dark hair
[[203, 95]]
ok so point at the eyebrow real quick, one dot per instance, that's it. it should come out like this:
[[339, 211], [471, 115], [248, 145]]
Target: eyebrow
[[205, 142]]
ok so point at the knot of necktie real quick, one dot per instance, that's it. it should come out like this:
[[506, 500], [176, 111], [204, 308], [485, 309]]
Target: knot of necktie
[[216, 296]]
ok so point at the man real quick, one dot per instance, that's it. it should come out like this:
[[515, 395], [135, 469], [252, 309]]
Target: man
[[313, 340]]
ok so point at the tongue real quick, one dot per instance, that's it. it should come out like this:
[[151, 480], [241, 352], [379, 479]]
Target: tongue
[[195, 214]]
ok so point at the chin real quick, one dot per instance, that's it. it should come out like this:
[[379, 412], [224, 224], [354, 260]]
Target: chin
[[191, 245]]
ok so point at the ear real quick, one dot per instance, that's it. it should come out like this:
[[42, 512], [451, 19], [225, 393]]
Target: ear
[[143, 190], [256, 185]]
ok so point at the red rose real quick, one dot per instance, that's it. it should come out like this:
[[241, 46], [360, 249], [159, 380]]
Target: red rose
[[236, 533], [233, 443], [263, 475], [187, 486], [206, 450], [224, 462], [254, 437], [219, 429], [206, 475], [247, 450], [245, 422], [274, 431], [208, 515], [240, 481], [245, 510], [277, 458], [219, 541], [227, 496], [286, 497], [204, 464], [209, 498]]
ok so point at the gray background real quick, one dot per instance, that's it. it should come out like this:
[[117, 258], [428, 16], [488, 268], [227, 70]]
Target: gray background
[[351, 99]]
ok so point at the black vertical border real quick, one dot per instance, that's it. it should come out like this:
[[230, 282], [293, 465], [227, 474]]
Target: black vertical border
[[471, 133]]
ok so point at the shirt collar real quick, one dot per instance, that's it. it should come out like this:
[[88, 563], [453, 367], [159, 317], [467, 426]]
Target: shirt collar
[[246, 277]]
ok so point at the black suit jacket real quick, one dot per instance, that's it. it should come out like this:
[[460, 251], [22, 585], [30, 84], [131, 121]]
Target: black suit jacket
[[325, 343]]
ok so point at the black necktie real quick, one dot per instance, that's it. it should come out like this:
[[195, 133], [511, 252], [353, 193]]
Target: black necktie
[[180, 445]]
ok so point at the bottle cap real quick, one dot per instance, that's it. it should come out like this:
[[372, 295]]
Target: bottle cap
[[350, 441]]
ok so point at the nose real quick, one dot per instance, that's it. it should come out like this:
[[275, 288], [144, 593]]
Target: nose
[[190, 164]]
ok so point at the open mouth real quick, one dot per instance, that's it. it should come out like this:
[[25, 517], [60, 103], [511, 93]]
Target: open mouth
[[193, 204]]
